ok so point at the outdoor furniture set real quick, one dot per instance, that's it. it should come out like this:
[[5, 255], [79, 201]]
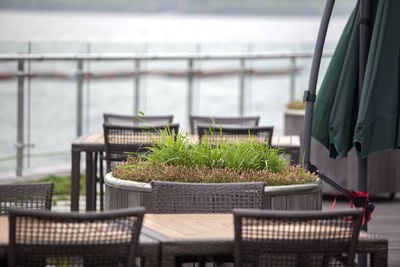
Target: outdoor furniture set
[[210, 209], [35, 236], [94, 146]]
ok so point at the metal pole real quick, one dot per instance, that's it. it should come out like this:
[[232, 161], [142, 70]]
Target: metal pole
[[242, 86], [79, 98], [190, 90], [29, 107], [310, 94], [87, 107], [137, 87], [292, 78], [20, 118], [365, 40]]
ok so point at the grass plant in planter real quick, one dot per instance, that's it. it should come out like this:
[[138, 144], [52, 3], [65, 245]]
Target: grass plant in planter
[[177, 158]]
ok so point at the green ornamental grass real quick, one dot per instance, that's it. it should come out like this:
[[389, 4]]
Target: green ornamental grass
[[176, 157]]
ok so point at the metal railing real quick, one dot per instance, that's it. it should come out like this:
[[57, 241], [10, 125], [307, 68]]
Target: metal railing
[[190, 74]]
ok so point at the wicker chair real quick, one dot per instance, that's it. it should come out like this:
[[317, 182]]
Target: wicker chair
[[296, 238], [222, 121], [30, 196], [174, 197], [45, 238], [216, 134], [126, 120], [129, 120], [120, 139]]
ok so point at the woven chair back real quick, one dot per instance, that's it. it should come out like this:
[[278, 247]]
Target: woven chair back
[[175, 197], [249, 121], [30, 196], [216, 134], [120, 139], [296, 238], [45, 238]]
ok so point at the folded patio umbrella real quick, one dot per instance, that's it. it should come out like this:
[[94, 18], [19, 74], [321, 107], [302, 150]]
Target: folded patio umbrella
[[372, 125], [378, 122]]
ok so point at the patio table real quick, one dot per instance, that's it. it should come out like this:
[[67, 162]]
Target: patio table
[[148, 248], [93, 144], [213, 234]]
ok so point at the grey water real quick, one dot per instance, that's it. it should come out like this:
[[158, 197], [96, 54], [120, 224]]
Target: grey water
[[50, 105]]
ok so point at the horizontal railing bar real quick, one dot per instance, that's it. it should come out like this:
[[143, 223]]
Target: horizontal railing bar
[[157, 56], [166, 73]]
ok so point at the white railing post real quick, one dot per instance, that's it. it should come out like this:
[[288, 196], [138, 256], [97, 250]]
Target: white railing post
[[79, 98], [293, 71], [137, 88], [242, 86], [20, 118], [190, 90]]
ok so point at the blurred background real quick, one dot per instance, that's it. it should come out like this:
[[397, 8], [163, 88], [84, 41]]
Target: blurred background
[[150, 27]]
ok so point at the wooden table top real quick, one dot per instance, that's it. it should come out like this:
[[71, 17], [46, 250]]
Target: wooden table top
[[191, 226], [214, 226]]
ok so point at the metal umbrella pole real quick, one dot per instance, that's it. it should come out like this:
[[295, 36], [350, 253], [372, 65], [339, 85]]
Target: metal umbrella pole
[[365, 40], [309, 96]]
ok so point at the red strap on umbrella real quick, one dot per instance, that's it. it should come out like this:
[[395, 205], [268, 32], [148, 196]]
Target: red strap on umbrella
[[358, 194], [361, 194]]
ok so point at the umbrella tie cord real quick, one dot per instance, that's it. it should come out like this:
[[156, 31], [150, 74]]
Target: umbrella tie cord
[[358, 199], [309, 97]]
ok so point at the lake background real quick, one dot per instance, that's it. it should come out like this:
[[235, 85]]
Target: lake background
[[51, 107]]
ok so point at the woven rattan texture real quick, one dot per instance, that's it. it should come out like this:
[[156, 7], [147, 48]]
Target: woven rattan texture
[[222, 121], [173, 197], [30, 196], [312, 238], [120, 139], [137, 120], [39, 238], [216, 134]]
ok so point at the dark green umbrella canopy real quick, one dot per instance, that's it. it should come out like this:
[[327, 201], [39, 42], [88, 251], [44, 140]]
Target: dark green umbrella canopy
[[373, 125]]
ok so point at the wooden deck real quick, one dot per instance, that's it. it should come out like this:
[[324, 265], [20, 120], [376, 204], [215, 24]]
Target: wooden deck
[[385, 221]]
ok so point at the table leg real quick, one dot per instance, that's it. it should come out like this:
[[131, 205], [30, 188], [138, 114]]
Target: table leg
[[379, 258], [75, 174], [89, 181], [101, 177], [94, 181], [167, 257]]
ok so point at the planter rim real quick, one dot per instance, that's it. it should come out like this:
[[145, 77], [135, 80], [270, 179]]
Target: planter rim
[[268, 190], [298, 112], [125, 184]]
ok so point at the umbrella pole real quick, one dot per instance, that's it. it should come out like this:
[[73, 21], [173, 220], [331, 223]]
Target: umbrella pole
[[365, 40], [309, 96]]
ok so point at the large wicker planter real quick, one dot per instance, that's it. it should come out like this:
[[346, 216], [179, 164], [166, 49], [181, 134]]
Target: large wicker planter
[[122, 194]]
